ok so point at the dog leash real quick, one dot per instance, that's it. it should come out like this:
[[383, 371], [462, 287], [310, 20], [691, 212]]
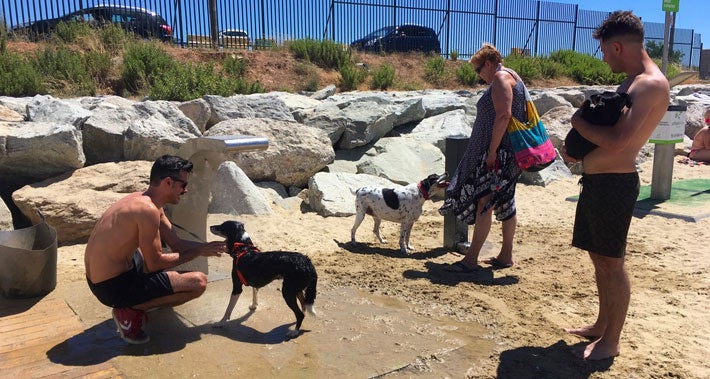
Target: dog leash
[[189, 232]]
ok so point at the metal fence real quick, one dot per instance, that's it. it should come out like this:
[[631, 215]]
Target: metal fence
[[537, 27]]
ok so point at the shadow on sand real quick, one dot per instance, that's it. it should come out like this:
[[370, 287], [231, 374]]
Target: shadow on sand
[[101, 342], [554, 361]]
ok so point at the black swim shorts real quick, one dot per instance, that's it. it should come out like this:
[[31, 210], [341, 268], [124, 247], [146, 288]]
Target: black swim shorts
[[604, 211], [133, 287]]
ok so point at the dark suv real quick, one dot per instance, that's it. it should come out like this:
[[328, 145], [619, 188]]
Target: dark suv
[[400, 38], [142, 22]]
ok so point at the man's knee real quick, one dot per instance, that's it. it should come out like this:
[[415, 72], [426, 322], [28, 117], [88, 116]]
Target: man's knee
[[607, 264]]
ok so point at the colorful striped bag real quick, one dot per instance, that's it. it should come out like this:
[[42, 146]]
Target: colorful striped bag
[[532, 146]]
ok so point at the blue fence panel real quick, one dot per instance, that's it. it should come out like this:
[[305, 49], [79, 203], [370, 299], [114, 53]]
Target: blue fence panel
[[537, 27]]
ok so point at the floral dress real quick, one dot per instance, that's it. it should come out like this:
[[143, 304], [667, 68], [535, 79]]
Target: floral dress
[[472, 179]]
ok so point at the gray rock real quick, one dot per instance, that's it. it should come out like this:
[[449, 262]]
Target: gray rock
[[5, 217], [324, 93], [247, 106], [73, 203], [197, 110], [296, 152], [234, 194], [51, 110], [333, 194], [402, 160], [34, 151]]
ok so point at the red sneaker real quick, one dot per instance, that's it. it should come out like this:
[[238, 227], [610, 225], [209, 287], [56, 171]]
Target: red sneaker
[[129, 322]]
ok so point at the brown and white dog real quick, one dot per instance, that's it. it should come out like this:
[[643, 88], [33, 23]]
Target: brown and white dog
[[403, 205]]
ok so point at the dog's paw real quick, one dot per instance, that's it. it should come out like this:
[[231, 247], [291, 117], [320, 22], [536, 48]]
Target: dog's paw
[[253, 307]]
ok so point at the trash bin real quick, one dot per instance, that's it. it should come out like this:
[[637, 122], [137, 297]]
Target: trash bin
[[28, 261]]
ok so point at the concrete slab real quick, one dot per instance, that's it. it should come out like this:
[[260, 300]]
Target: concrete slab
[[356, 334]]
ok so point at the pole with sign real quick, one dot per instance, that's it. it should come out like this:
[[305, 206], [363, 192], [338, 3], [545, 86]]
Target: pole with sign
[[666, 134]]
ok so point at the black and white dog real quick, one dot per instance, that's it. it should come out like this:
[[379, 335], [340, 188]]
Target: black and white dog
[[403, 205], [253, 268], [606, 110]]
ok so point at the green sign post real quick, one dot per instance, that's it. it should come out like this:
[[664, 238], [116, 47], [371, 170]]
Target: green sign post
[[671, 5]]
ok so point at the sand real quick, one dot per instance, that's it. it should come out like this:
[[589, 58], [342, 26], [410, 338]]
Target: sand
[[524, 308]]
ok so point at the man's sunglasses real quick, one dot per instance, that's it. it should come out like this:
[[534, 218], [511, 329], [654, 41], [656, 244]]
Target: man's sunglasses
[[184, 183]]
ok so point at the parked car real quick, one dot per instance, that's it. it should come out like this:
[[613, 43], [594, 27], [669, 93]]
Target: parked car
[[399, 39], [234, 38], [142, 22]]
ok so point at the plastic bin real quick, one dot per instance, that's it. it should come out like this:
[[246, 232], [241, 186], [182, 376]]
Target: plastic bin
[[28, 261]]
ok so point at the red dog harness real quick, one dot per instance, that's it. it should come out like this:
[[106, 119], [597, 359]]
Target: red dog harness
[[244, 249], [424, 193]]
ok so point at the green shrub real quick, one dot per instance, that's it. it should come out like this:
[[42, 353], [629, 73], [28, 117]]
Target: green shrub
[[18, 76], [98, 65], [454, 55], [527, 67], [309, 73], [586, 69], [114, 38], [190, 81], [234, 66], [435, 70], [65, 71], [326, 54], [351, 76], [382, 77], [69, 31], [142, 62], [466, 74]]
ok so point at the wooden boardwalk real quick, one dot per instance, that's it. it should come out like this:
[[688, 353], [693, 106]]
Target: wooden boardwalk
[[34, 332]]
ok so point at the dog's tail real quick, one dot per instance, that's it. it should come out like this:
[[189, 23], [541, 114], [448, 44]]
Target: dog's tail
[[310, 295]]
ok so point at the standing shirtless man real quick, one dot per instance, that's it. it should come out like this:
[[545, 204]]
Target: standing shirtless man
[[124, 259], [610, 183]]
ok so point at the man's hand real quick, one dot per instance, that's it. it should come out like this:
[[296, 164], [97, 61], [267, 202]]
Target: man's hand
[[213, 249]]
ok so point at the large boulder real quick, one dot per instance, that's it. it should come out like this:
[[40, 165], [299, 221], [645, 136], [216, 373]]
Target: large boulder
[[73, 202], [48, 109], [5, 217], [247, 106], [367, 122], [296, 152], [436, 129], [234, 194], [34, 151], [402, 160], [197, 110], [143, 131], [9, 115], [333, 194]]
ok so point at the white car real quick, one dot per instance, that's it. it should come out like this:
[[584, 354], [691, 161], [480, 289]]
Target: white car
[[234, 38]]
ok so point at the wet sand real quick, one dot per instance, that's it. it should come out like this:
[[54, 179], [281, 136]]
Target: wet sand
[[395, 315]]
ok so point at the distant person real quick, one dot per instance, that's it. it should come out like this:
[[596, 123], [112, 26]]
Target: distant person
[[124, 259], [610, 183], [700, 149], [489, 162]]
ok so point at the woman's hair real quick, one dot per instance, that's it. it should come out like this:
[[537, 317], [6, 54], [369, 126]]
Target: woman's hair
[[168, 166], [487, 52], [620, 24]]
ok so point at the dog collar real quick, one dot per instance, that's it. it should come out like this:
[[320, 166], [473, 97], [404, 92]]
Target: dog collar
[[243, 248], [424, 193]]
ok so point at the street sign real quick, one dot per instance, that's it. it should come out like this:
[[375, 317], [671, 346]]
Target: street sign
[[671, 5]]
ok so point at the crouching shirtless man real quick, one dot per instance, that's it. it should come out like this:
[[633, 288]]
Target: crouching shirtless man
[[610, 183], [124, 259]]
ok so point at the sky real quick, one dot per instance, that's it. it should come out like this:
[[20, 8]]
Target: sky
[[692, 14]]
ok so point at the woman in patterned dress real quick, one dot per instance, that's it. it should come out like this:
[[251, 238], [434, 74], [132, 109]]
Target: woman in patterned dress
[[484, 182]]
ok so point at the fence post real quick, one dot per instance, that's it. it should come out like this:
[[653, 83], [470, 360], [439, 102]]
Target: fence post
[[455, 231]]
